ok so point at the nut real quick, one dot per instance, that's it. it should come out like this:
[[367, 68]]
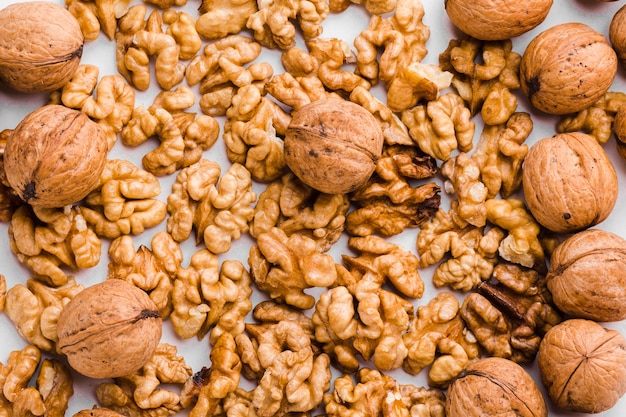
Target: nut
[[332, 145], [41, 45], [569, 182], [110, 329], [567, 68], [494, 386], [617, 33], [586, 276], [583, 366], [55, 156], [483, 20]]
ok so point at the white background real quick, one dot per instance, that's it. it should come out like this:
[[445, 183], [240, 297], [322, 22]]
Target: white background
[[13, 107]]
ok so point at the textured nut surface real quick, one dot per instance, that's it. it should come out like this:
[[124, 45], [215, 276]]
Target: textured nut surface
[[41, 45], [569, 182], [586, 276], [55, 156], [109, 329], [583, 366], [566, 68], [491, 20], [617, 33], [332, 145], [494, 386]]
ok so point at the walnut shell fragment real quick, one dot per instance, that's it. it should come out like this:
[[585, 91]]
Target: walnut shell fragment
[[567, 68], [110, 329], [569, 182], [332, 145], [41, 45], [55, 156], [583, 366], [494, 386], [586, 276]]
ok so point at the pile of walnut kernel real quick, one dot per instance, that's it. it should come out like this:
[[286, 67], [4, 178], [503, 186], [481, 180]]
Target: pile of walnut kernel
[[331, 353]]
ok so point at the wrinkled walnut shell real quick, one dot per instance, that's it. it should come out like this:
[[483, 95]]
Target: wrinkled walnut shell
[[586, 276], [110, 329], [484, 20], [494, 386], [332, 145], [41, 45], [569, 182], [55, 156], [617, 33], [583, 366], [567, 68]]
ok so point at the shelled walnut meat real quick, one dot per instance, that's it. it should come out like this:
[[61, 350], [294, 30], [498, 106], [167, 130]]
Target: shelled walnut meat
[[332, 145], [583, 366], [54, 156], [110, 329], [567, 68], [569, 182], [494, 386], [41, 46], [586, 276]]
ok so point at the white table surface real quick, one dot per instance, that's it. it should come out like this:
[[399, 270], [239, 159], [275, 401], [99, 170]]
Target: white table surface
[[13, 107]]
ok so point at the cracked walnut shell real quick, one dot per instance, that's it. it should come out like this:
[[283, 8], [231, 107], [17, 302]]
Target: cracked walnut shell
[[55, 156], [41, 45], [494, 386], [586, 276], [110, 329], [583, 366], [332, 145], [493, 21], [569, 182], [567, 68]]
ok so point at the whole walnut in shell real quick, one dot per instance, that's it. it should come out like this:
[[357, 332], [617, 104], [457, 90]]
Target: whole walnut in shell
[[569, 182], [617, 33], [583, 365], [41, 45], [586, 276], [332, 145], [567, 68], [109, 329], [484, 20], [54, 156], [494, 386]]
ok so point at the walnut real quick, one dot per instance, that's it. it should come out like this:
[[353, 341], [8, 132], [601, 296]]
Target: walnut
[[582, 365], [48, 396], [569, 182], [109, 329], [41, 45], [617, 33], [585, 276], [479, 19], [567, 68], [51, 147], [332, 145], [491, 386]]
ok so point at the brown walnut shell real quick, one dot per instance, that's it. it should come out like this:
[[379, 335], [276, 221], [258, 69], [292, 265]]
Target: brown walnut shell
[[494, 386], [489, 21], [569, 182], [332, 145], [55, 156], [41, 45], [567, 68], [586, 276], [109, 329], [617, 33], [583, 366]]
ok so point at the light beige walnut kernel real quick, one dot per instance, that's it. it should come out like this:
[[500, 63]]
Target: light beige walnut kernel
[[50, 393], [218, 19], [218, 208], [125, 202], [49, 241], [464, 179]]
